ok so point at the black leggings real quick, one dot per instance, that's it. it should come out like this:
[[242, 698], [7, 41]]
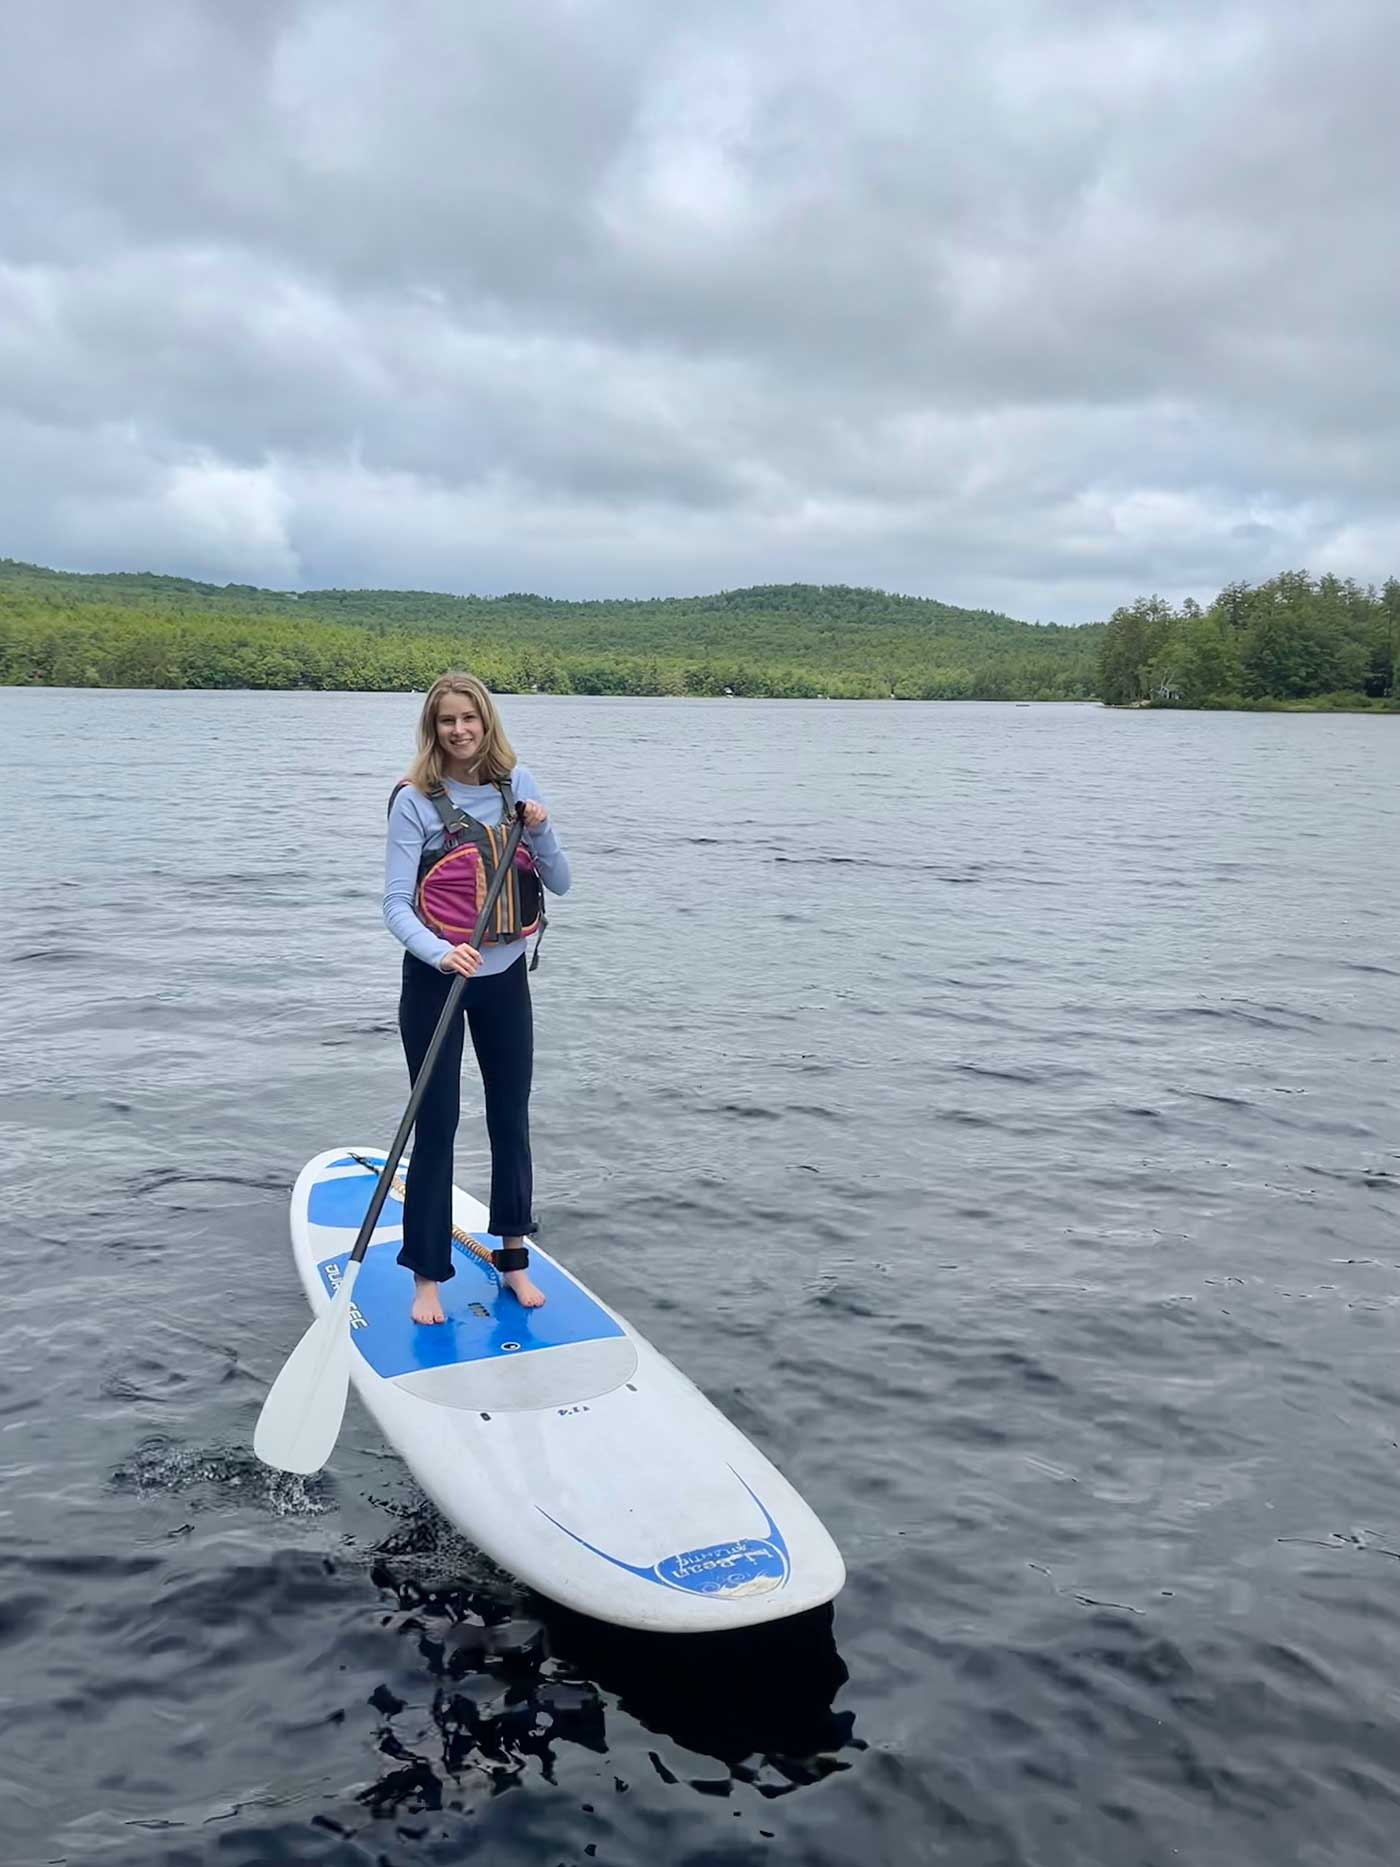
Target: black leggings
[[498, 1016]]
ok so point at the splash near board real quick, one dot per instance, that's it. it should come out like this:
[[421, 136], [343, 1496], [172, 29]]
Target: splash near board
[[558, 1439]]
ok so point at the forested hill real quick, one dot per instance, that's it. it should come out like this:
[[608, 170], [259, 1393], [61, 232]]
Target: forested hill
[[58, 628]]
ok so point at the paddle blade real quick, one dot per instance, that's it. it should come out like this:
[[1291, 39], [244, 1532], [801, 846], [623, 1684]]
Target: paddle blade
[[300, 1419]]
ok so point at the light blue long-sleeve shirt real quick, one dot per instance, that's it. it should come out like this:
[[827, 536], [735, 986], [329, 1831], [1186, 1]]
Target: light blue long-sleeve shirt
[[414, 826]]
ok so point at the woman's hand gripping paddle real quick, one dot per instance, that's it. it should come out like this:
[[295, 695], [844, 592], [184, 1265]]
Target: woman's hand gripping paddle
[[300, 1419]]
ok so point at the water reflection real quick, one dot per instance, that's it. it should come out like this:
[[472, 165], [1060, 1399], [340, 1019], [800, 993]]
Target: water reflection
[[512, 1687]]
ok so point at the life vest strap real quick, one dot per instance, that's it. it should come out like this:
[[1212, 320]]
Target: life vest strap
[[455, 820]]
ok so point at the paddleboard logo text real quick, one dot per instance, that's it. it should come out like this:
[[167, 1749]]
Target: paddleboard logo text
[[749, 1567], [745, 1565], [331, 1273]]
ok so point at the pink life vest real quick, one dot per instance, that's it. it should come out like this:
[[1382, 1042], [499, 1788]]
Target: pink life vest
[[453, 881]]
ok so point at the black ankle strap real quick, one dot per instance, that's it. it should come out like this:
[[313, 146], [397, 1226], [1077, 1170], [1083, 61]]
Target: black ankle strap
[[511, 1258]]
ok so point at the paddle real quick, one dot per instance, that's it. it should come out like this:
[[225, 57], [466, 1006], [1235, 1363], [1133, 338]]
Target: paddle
[[300, 1419]]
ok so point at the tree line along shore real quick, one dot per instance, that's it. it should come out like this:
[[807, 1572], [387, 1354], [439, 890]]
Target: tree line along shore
[[1294, 641]]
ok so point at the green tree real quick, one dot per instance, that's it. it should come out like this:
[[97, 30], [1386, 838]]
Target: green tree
[[1300, 640], [1135, 636], [1201, 661], [1383, 642]]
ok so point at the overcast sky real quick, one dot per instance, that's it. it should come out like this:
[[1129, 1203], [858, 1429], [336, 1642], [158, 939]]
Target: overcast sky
[[1034, 304]]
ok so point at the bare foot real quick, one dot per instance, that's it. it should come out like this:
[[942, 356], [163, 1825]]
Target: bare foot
[[521, 1288], [427, 1305]]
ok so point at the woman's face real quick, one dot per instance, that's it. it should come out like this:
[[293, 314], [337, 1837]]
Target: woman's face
[[461, 730]]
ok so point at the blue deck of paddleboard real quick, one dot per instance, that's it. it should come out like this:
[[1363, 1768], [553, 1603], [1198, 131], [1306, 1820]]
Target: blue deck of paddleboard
[[483, 1321], [344, 1202]]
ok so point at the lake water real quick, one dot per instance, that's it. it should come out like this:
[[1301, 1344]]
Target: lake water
[[993, 1108]]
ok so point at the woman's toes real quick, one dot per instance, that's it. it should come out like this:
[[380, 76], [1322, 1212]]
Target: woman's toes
[[527, 1294]]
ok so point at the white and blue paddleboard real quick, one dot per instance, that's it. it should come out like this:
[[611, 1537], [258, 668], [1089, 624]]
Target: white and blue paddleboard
[[557, 1439]]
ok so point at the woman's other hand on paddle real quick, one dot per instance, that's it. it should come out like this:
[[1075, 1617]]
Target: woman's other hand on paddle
[[464, 959], [535, 814]]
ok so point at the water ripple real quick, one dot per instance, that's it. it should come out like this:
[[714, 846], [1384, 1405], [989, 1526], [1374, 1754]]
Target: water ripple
[[1026, 1187]]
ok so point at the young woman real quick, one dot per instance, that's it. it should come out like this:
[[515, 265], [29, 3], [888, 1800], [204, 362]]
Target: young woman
[[462, 748]]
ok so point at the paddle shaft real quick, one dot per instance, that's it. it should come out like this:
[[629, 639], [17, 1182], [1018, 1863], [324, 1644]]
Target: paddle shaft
[[439, 1038]]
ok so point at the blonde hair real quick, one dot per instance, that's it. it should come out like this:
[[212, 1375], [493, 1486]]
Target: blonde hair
[[497, 760]]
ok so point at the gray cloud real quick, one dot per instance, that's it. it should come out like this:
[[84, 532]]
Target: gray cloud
[[1035, 305]]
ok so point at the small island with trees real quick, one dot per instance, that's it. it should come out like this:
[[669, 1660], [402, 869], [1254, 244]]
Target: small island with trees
[[1293, 642]]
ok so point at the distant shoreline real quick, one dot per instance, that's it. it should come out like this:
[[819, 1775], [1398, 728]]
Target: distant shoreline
[[775, 641], [521, 693], [1294, 645], [1345, 704]]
